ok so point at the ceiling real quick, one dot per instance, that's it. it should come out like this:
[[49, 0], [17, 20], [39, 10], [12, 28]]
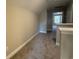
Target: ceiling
[[54, 3], [38, 5], [33, 5]]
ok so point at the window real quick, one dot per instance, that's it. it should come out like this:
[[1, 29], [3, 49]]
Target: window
[[57, 17]]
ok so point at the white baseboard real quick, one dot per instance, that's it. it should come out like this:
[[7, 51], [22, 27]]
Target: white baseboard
[[43, 32], [57, 44], [20, 47]]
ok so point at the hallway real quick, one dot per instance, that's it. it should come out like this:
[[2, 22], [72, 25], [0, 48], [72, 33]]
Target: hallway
[[41, 47]]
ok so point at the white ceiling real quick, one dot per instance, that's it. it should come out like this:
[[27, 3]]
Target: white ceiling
[[54, 3], [37, 5]]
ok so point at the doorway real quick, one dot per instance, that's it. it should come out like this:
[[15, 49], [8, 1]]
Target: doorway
[[56, 20]]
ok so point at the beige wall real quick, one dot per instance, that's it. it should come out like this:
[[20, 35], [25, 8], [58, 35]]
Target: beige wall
[[21, 25], [69, 16]]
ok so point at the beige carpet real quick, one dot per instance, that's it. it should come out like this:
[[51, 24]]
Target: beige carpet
[[41, 47]]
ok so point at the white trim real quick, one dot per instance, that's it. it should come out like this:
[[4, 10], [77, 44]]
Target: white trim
[[43, 32], [20, 47], [57, 44]]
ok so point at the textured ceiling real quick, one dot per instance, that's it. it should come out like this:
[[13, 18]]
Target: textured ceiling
[[38, 5]]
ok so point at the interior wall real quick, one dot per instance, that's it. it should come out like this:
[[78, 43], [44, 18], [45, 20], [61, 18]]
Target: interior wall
[[49, 20], [69, 14], [43, 22], [21, 25]]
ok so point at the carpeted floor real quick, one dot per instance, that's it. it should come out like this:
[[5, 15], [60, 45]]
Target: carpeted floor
[[41, 47]]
